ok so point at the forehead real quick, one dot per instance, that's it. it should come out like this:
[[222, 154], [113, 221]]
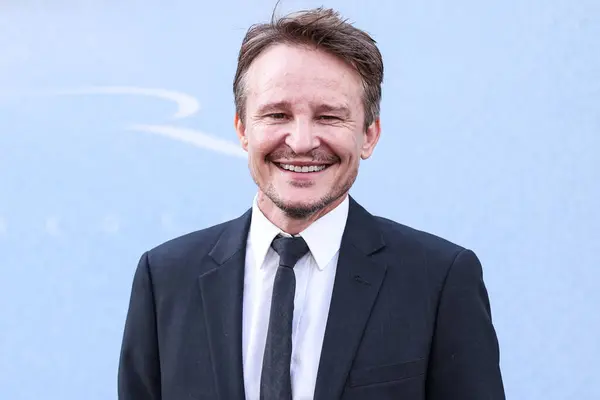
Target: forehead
[[301, 74]]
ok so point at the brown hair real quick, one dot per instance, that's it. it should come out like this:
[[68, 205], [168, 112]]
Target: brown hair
[[324, 29]]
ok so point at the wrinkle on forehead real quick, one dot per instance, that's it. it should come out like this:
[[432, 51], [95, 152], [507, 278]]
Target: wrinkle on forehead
[[283, 73], [290, 80], [315, 95]]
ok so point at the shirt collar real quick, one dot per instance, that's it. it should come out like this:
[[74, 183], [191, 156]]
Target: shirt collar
[[323, 237]]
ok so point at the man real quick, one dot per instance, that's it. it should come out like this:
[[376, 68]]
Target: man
[[307, 295]]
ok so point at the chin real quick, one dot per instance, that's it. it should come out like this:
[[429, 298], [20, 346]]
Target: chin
[[302, 197], [300, 210], [301, 205]]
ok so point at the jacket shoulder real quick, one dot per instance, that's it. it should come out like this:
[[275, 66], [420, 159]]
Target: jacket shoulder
[[408, 241], [186, 249], [392, 228]]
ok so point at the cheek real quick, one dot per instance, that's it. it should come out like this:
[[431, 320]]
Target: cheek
[[346, 146], [258, 149], [262, 141]]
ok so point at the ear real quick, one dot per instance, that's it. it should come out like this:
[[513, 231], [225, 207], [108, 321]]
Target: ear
[[371, 137], [240, 129]]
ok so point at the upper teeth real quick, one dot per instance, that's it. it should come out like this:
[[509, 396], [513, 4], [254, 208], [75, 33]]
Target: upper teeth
[[297, 168]]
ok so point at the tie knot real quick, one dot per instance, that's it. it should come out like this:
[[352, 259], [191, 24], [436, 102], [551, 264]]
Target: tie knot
[[290, 250]]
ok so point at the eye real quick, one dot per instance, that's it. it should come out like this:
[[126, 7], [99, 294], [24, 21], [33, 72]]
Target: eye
[[329, 117], [276, 115]]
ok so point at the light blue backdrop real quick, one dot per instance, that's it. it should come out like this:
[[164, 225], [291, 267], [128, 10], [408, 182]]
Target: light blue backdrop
[[491, 138]]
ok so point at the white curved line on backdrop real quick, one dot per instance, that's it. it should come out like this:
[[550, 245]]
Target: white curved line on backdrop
[[193, 137], [187, 105]]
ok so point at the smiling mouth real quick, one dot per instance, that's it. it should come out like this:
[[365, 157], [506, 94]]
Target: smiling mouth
[[302, 168]]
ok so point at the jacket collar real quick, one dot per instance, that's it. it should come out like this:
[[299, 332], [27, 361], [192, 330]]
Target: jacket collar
[[323, 236], [358, 279]]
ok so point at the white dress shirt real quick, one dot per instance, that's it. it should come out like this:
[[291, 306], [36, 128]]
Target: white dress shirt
[[315, 274]]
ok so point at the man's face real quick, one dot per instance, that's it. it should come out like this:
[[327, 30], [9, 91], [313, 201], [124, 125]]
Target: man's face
[[304, 129]]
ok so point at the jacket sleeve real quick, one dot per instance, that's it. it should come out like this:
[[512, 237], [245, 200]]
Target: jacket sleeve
[[464, 360], [139, 367]]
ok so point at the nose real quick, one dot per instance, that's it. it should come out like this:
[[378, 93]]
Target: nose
[[302, 139]]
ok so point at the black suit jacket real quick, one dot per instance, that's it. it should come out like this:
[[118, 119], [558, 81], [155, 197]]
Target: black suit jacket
[[409, 318]]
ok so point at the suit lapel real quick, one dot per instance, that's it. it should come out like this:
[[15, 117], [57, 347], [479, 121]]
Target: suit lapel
[[357, 282], [358, 279], [222, 299]]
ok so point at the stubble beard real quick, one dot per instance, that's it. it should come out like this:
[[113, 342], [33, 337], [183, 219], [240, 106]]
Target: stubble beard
[[298, 211]]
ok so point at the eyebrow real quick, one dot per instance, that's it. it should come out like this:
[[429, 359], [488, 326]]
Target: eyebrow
[[341, 110], [274, 107], [338, 109]]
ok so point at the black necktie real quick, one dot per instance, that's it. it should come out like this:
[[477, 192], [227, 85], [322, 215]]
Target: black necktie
[[275, 380]]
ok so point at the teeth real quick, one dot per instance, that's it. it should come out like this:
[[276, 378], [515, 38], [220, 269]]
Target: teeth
[[296, 168]]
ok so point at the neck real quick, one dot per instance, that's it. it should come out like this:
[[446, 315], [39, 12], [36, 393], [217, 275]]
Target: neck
[[291, 226]]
